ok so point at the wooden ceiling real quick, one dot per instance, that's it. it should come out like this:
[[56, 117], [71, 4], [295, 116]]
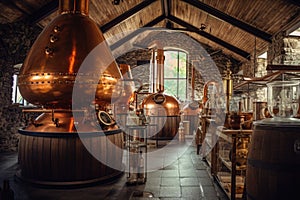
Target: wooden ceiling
[[234, 27]]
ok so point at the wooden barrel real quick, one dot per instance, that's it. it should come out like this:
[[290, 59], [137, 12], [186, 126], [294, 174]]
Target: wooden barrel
[[166, 127], [273, 163], [62, 159]]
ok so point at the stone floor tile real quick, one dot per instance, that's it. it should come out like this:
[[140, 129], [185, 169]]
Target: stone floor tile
[[172, 182], [189, 182], [170, 173], [187, 173], [170, 192]]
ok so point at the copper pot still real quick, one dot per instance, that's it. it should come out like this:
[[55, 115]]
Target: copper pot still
[[163, 110], [56, 64], [51, 68]]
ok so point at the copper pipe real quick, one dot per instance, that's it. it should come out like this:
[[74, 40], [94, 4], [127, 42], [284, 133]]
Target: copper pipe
[[74, 6], [153, 71], [160, 58]]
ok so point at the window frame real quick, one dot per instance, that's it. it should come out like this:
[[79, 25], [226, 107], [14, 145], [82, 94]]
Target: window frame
[[178, 78]]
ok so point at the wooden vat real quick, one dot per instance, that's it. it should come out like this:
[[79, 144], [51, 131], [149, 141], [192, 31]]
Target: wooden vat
[[273, 163]]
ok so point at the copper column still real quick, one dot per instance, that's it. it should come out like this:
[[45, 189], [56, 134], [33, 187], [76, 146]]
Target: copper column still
[[50, 150], [162, 109]]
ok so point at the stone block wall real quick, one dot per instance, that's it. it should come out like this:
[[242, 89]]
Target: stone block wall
[[284, 50], [16, 40]]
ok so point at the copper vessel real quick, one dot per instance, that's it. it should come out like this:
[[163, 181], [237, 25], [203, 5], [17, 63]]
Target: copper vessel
[[64, 145], [48, 74], [161, 104], [163, 109]]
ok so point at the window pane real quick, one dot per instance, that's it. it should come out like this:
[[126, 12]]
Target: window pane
[[171, 64], [182, 65], [171, 87], [182, 89]]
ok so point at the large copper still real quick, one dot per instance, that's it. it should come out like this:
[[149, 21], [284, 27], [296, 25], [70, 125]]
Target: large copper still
[[163, 109], [51, 151]]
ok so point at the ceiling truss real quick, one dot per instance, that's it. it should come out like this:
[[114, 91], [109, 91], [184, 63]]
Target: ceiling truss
[[166, 15]]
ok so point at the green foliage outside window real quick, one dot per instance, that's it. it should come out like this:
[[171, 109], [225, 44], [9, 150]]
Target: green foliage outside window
[[175, 73]]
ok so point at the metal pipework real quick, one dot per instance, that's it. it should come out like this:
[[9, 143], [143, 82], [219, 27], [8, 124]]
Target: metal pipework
[[228, 85]]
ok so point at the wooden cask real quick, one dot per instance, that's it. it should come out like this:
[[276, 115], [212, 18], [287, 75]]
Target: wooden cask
[[273, 163]]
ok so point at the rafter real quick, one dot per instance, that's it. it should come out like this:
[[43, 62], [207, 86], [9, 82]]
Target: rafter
[[43, 12], [295, 2], [126, 15], [166, 7], [192, 28], [136, 32], [246, 27]]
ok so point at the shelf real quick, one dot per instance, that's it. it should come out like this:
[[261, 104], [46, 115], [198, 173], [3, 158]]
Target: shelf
[[225, 162], [224, 180], [228, 164], [232, 131]]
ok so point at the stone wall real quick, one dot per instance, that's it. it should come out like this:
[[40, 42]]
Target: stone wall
[[16, 40], [284, 50], [198, 56]]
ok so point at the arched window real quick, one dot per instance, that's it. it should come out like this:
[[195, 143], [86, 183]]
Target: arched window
[[175, 74]]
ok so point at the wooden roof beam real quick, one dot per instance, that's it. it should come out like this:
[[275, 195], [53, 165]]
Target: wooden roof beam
[[192, 28], [136, 32], [166, 7], [126, 15], [295, 2], [43, 12], [227, 18]]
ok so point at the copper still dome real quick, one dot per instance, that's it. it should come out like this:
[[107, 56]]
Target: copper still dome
[[159, 104], [49, 72]]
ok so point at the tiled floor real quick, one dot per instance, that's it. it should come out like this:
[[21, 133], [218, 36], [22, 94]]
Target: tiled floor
[[187, 177]]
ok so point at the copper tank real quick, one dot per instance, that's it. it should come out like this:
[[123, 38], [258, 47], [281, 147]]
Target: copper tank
[[48, 74]]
